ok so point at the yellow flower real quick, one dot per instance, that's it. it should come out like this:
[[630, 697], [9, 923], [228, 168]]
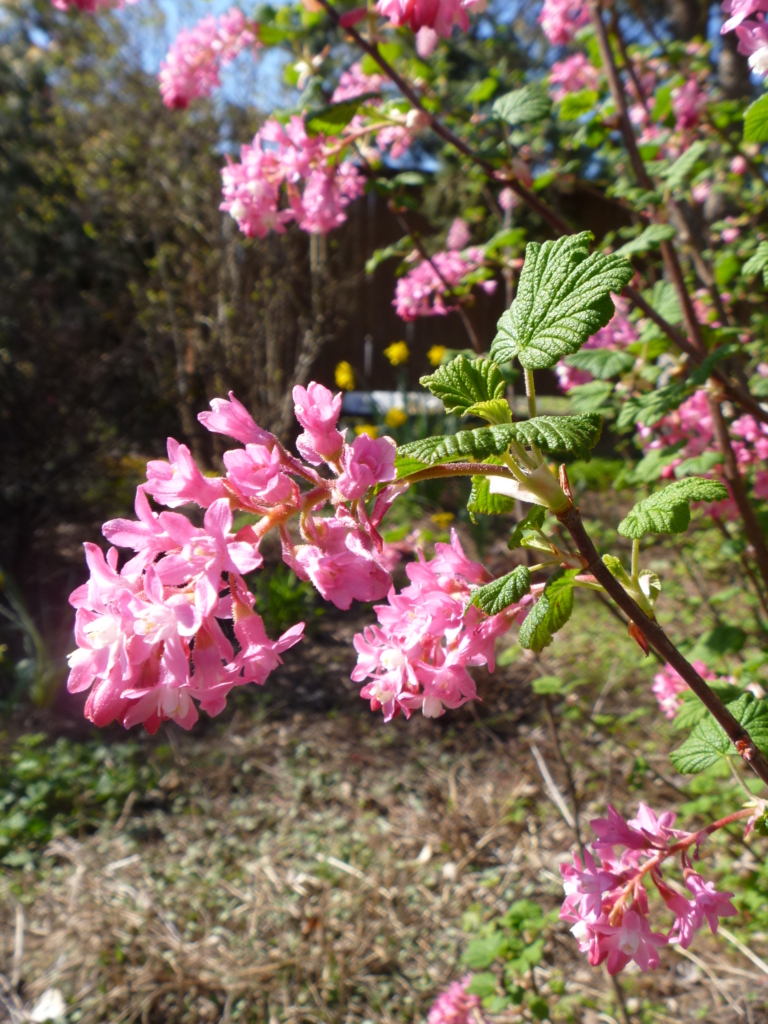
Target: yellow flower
[[436, 354], [396, 418], [442, 518], [345, 376], [366, 428], [397, 353]]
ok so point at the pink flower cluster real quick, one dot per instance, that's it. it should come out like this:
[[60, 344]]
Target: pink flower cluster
[[425, 290], [747, 19], [191, 67], [281, 160], [571, 75], [616, 336], [429, 19], [427, 635], [395, 137], [668, 685], [606, 898], [560, 20], [90, 6], [149, 634], [455, 1005]]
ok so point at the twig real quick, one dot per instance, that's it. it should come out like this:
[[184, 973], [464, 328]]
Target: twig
[[554, 792], [18, 948], [760, 964]]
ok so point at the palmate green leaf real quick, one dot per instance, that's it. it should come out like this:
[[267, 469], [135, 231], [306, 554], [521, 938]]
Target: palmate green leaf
[[669, 510], [495, 597], [497, 410], [649, 239], [602, 363], [699, 377], [698, 464], [564, 297], [708, 741], [533, 521], [575, 104], [465, 382], [550, 613], [652, 465], [692, 711], [555, 435], [756, 121], [522, 106]]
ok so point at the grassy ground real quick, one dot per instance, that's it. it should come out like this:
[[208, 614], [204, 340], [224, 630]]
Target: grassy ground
[[325, 867], [299, 860]]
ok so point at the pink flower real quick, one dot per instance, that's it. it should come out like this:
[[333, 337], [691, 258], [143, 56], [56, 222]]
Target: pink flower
[[739, 10], [708, 902], [508, 199], [667, 684], [614, 831], [90, 6], [354, 82], [632, 939], [739, 165], [561, 19], [455, 1005], [233, 419], [436, 17], [459, 235], [422, 291], [191, 67], [341, 564], [701, 191], [146, 536], [656, 828], [584, 887], [205, 554], [179, 481], [366, 462], [753, 43], [688, 101], [257, 472], [571, 75], [327, 193], [317, 410]]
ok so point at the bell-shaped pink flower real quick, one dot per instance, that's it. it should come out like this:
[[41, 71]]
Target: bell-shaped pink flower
[[179, 481], [317, 410], [257, 472], [233, 419], [365, 463]]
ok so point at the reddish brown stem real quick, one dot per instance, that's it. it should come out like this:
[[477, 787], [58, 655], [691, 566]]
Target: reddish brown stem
[[657, 638]]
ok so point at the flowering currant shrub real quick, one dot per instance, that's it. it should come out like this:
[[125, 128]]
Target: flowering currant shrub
[[657, 329]]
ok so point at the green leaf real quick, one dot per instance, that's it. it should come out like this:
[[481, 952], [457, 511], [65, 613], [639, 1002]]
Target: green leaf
[[717, 643], [504, 239], [555, 435], [727, 266], [561, 435], [692, 711], [668, 510], [651, 407], [649, 239], [652, 465], [465, 382], [405, 465], [399, 248], [548, 685], [757, 261], [698, 464], [564, 297], [699, 377], [330, 120], [615, 568], [708, 741], [523, 105], [685, 164], [482, 502], [482, 90], [756, 121], [538, 1007], [533, 521], [590, 397], [483, 985], [576, 104], [497, 410], [602, 363], [495, 597], [481, 953], [550, 613]]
